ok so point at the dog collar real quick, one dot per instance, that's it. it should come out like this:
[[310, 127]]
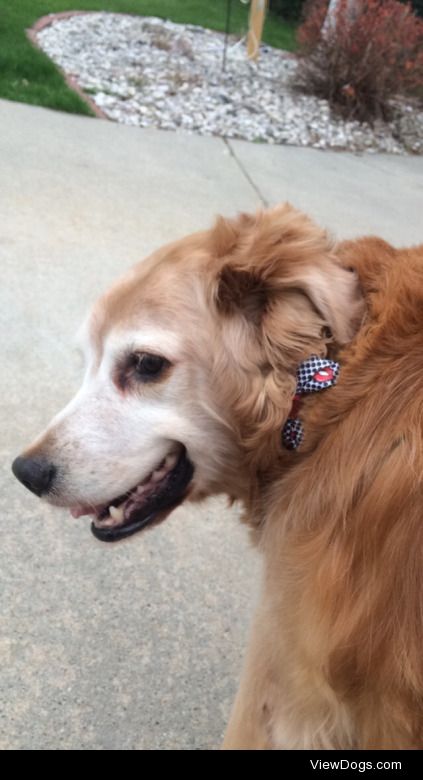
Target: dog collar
[[313, 375]]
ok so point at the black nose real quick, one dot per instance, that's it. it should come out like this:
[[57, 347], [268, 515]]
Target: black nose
[[35, 473]]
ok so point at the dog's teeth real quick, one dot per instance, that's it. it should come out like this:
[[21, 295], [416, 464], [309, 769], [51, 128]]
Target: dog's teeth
[[171, 461], [116, 512]]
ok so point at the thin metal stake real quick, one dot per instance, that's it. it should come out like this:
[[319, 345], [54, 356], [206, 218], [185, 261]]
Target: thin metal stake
[[227, 28]]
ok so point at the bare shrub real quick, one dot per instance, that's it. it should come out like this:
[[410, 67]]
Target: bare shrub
[[372, 53]]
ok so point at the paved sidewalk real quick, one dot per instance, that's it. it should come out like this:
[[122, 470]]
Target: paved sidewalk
[[136, 645]]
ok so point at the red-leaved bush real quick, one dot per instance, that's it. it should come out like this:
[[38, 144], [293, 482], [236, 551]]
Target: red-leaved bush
[[370, 52]]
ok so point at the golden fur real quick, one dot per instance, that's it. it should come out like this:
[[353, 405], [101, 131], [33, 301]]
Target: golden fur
[[335, 658]]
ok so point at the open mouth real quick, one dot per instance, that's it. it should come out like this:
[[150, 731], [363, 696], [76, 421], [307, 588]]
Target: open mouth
[[163, 489]]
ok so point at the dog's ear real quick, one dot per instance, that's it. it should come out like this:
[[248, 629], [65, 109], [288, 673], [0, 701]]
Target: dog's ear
[[226, 233], [280, 250], [238, 290], [243, 292], [335, 295], [279, 289]]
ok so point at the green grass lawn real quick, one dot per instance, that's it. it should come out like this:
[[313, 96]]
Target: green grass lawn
[[27, 75]]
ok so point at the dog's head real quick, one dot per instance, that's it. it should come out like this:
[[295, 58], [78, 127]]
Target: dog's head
[[190, 371]]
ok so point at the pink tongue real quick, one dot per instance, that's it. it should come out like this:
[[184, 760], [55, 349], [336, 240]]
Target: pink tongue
[[78, 511]]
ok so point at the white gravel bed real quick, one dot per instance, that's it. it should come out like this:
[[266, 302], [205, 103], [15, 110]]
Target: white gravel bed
[[153, 73]]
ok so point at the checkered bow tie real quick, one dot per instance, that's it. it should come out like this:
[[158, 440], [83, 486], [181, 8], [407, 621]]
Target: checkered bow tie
[[313, 375]]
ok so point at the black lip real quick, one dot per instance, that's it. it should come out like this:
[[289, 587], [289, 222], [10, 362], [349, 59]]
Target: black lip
[[173, 494]]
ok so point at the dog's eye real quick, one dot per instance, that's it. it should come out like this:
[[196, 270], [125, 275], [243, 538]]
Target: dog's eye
[[149, 366]]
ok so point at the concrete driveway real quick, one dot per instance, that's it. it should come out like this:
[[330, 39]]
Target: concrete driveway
[[137, 645]]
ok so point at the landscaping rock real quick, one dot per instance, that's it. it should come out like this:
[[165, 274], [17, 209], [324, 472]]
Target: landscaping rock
[[153, 73]]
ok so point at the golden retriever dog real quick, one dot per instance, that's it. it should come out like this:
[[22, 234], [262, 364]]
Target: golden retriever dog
[[192, 364]]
